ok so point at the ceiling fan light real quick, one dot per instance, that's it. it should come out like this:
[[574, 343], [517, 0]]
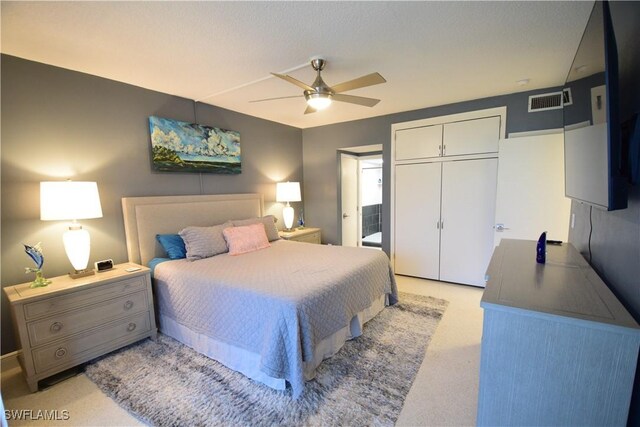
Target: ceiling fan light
[[318, 101]]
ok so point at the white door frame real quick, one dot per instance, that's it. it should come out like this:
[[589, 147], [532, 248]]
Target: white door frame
[[358, 151], [479, 114]]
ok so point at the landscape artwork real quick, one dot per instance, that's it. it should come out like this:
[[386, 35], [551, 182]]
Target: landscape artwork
[[189, 147]]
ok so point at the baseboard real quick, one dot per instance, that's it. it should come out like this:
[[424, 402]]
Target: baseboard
[[9, 356]]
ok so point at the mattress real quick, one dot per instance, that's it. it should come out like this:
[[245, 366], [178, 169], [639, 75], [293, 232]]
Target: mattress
[[277, 306]]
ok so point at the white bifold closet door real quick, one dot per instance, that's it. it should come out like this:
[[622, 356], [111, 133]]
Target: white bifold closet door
[[417, 236], [444, 219], [468, 211]]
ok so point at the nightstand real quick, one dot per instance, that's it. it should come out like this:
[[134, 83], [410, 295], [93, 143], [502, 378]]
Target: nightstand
[[307, 234], [73, 321]]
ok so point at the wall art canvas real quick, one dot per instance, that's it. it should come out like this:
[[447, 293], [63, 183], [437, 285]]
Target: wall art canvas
[[189, 147]]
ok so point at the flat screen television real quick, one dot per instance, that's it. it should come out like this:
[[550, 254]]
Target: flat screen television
[[594, 169]]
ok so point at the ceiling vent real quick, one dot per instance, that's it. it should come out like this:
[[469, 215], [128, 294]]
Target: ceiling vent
[[550, 101]]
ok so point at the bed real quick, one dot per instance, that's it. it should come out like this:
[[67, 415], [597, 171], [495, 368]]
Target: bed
[[273, 314]]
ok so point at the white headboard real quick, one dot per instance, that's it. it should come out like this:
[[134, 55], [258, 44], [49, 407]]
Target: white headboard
[[144, 217]]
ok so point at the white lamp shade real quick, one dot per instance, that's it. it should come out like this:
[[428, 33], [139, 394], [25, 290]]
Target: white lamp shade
[[77, 245], [69, 200], [288, 192]]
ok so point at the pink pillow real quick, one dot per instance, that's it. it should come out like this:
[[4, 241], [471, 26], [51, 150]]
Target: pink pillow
[[246, 238]]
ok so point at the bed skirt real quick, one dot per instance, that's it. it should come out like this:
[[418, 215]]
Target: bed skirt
[[248, 363]]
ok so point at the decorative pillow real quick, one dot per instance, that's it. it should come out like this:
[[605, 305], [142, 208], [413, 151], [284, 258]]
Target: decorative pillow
[[247, 238], [173, 245], [269, 222], [204, 242]]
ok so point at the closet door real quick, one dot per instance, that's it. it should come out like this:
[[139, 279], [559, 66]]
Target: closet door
[[472, 137], [418, 143], [468, 210], [417, 212]]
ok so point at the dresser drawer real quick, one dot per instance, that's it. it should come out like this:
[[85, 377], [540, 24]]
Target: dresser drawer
[[71, 322], [74, 351], [82, 298], [309, 238]]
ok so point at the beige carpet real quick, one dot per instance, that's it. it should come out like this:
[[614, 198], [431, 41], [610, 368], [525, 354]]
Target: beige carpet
[[444, 393]]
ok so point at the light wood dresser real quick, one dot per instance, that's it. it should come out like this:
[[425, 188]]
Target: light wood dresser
[[72, 321], [307, 234], [558, 348]]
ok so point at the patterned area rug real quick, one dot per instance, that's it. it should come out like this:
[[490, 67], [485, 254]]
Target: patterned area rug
[[166, 383]]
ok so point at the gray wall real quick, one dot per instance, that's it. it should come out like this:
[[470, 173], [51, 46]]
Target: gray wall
[[320, 145], [59, 124]]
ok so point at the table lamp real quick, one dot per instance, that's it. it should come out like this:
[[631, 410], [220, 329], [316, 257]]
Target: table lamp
[[288, 192], [72, 200]]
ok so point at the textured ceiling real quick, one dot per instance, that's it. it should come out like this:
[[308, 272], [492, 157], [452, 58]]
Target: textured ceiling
[[221, 53]]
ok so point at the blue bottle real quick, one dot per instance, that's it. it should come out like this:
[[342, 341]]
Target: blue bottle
[[541, 248]]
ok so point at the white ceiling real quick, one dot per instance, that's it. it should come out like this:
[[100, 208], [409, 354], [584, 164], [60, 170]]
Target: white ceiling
[[221, 53]]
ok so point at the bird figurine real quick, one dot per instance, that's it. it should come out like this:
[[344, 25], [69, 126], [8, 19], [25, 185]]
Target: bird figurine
[[35, 253]]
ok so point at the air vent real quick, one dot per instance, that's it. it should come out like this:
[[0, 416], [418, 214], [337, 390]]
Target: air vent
[[567, 98], [545, 101]]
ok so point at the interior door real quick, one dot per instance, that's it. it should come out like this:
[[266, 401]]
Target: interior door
[[349, 199], [468, 211], [417, 216], [530, 196]]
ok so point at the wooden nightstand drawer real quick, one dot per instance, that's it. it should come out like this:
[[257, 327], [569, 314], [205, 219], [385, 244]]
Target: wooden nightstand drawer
[[65, 324], [307, 235], [82, 298], [310, 238], [71, 352]]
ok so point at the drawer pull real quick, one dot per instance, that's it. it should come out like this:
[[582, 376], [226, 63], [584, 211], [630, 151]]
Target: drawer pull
[[128, 305], [55, 327], [60, 352], [131, 327]]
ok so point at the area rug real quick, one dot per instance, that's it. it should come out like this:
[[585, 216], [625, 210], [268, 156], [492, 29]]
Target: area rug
[[166, 383]]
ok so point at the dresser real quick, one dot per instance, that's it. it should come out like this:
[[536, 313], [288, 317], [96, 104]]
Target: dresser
[[307, 234], [72, 321], [558, 348]]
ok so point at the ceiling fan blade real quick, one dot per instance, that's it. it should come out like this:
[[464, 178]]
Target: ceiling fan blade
[[364, 81], [360, 100], [294, 81], [279, 97], [310, 110]]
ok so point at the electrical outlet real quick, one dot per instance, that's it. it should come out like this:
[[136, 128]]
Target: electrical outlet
[[573, 220]]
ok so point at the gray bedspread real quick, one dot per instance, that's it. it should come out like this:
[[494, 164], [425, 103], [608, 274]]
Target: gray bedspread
[[277, 302]]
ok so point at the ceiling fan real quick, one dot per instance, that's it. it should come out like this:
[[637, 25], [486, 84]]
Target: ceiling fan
[[319, 95]]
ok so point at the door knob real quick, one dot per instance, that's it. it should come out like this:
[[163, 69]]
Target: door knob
[[500, 228], [345, 215]]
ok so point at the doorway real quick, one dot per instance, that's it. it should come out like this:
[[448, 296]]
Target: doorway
[[360, 196], [370, 201]]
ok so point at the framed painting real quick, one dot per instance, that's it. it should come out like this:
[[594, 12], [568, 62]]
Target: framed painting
[[189, 147]]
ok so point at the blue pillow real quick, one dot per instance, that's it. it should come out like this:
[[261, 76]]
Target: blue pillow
[[173, 245]]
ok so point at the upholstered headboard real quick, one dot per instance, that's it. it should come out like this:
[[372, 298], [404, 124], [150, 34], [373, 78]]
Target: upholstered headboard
[[144, 217]]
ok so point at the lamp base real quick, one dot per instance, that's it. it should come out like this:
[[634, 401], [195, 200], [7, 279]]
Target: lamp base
[[82, 273]]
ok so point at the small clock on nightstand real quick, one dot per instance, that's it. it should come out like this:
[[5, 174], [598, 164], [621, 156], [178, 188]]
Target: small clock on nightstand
[[307, 234]]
